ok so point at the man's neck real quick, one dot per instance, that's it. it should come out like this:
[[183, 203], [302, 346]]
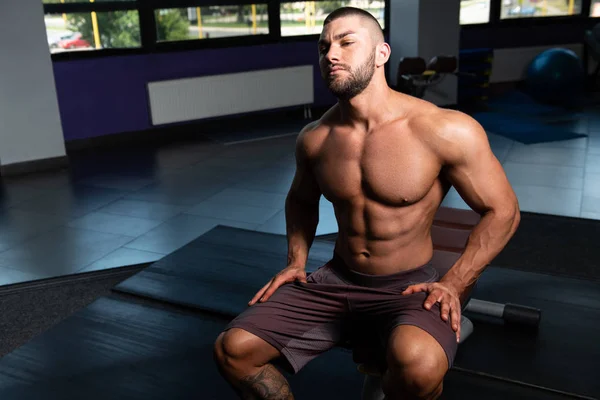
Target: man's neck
[[369, 109]]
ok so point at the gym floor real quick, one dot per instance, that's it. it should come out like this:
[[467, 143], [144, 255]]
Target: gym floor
[[123, 207]]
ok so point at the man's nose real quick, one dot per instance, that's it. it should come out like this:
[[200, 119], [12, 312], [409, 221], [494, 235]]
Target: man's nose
[[333, 55]]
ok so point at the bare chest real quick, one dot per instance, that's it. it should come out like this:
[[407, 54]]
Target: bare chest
[[396, 170]]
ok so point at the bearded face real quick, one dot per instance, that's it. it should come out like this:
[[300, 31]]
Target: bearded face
[[346, 81]]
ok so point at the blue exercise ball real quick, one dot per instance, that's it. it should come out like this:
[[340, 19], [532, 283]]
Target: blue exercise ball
[[556, 77]]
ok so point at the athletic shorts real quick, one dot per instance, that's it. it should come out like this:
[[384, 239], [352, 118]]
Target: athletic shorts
[[337, 306]]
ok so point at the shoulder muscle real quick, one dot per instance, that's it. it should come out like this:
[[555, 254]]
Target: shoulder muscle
[[454, 136], [309, 140]]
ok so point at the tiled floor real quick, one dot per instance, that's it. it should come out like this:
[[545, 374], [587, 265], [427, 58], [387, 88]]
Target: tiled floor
[[120, 208]]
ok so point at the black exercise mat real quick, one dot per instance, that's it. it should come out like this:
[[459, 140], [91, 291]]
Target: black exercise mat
[[562, 354], [557, 245], [549, 244], [213, 274], [116, 349], [472, 386], [220, 271]]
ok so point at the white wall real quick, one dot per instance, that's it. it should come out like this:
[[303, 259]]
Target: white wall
[[426, 29], [30, 127]]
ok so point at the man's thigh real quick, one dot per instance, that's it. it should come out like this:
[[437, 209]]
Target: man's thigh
[[410, 311], [381, 312], [300, 320]]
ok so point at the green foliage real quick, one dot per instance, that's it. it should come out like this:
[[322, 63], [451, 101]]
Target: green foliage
[[262, 11], [172, 25], [116, 29], [121, 29], [330, 6]]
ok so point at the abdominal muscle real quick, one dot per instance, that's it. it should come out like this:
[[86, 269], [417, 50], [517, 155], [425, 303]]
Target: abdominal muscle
[[379, 240]]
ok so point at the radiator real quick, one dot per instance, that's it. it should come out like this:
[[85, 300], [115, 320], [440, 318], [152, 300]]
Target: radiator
[[190, 99]]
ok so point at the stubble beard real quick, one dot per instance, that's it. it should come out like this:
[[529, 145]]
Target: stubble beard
[[355, 83]]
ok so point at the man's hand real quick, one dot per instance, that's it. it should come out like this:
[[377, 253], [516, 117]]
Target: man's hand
[[445, 294], [289, 274]]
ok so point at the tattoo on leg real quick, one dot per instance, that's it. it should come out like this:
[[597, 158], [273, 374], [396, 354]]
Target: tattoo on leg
[[266, 384]]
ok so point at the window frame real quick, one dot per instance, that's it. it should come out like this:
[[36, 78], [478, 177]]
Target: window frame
[[585, 5], [496, 22], [315, 37], [149, 43]]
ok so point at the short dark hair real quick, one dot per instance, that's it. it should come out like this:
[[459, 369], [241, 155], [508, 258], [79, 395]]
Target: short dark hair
[[355, 12]]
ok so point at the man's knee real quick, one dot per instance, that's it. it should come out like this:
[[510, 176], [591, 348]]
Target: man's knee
[[237, 349], [419, 379], [232, 348], [416, 365]]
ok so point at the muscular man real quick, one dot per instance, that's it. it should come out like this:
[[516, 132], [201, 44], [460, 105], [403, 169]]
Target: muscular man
[[385, 160]]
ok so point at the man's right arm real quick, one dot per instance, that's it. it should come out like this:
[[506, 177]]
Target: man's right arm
[[302, 204], [302, 218]]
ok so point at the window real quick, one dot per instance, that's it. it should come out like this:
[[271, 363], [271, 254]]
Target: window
[[79, 27], [595, 8], [474, 12], [211, 22], [306, 17], [77, 1], [539, 8], [93, 30]]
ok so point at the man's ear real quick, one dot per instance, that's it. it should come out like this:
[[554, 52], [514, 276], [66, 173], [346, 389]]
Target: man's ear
[[382, 54]]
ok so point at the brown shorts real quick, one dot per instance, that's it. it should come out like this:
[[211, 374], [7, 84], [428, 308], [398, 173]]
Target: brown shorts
[[303, 320]]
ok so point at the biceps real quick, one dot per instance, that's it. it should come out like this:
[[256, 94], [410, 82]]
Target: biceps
[[482, 183], [305, 187]]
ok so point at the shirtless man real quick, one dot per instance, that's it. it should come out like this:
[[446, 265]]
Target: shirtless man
[[385, 160]]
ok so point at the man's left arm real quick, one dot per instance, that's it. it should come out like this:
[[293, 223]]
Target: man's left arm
[[473, 169]]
